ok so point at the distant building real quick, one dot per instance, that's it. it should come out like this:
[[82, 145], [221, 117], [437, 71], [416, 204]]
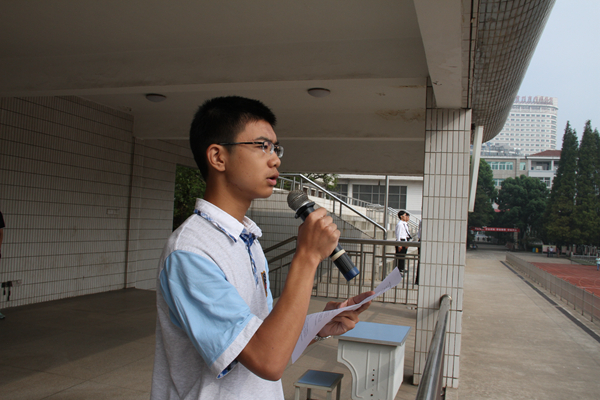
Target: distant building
[[406, 192], [541, 165], [530, 127]]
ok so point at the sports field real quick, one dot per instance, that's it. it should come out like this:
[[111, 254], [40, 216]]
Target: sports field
[[583, 276]]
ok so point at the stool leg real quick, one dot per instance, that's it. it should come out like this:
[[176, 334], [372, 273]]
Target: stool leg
[[308, 393], [339, 388], [297, 394], [328, 395]]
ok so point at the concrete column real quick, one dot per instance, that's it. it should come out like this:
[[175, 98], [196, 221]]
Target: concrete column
[[443, 241]]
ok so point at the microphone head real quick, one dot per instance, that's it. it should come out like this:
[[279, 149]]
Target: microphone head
[[297, 199]]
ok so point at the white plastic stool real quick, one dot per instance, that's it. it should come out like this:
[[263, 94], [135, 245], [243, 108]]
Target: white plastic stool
[[319, 380]]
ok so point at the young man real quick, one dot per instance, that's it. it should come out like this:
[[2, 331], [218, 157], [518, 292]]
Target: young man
[[218, 335], [403, 235]]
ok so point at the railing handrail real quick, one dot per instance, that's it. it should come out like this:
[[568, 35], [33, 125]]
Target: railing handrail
[[334, 196], [279, 257], [278, 245], [380, 242], [430, 387], [340, 240]]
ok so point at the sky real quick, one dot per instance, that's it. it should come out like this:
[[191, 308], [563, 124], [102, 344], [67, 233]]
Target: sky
[[566, 64]]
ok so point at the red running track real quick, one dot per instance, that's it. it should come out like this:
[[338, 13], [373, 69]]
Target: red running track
[[583, 276]]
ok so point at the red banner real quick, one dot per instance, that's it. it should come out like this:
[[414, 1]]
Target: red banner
[[488, 229]]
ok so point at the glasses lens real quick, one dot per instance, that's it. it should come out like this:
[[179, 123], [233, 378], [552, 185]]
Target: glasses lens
[[278, 150], [265, 147]]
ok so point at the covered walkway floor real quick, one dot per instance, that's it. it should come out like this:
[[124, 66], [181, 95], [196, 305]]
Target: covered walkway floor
[[515, 344]]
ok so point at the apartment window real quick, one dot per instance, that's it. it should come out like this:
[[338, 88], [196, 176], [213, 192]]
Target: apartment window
[[522, 166], [501, 165], [376, 194], [498, 182], [545, 181]]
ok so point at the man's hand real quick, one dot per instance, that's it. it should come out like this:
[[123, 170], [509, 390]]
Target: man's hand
[[317, 237], [346, 320]]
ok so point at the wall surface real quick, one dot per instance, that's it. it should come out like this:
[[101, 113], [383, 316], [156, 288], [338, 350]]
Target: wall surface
[[443, 242], [87, 207]]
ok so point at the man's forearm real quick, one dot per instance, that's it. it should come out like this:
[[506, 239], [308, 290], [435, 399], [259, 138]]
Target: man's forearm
[[268, 352], [271, 347]]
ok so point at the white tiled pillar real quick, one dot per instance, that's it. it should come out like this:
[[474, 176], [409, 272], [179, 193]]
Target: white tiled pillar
[[443, 242]]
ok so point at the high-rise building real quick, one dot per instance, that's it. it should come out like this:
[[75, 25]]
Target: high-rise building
[[530, 127]]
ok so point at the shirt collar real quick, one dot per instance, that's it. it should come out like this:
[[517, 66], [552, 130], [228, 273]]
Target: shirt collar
[[225, 222]]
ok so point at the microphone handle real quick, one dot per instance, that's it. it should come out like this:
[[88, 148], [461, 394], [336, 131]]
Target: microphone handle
[[341, 260], [339, 256]]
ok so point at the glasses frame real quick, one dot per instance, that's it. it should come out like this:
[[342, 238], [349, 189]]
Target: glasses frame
[[275, 148]]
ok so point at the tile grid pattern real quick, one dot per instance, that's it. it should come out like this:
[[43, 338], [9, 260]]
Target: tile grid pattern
[[443, 251], [151, 206], [507, 34], [67, 184]]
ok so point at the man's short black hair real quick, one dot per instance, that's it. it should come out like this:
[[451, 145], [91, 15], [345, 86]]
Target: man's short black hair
[[402, 212], [220, 120]]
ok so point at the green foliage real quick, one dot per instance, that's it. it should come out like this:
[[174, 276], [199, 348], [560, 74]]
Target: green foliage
[[483, 212], [329, 181], [189, 186], [523, 202], [559, 225], [585, 216]]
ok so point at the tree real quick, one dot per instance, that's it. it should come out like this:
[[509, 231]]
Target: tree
[[189, 186], [329, 181], [523, 203], [483, 212], [558, 223], [585, 216]]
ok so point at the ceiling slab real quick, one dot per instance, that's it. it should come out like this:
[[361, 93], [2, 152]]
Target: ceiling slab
[[441, 25], [370, 55]]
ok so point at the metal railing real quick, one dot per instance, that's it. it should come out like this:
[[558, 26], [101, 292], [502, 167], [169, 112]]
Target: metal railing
[[431, 386], [374, 259], [582, 301], [374, 212]]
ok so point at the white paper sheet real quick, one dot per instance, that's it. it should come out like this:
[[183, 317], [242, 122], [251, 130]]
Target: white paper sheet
[[315, 322]]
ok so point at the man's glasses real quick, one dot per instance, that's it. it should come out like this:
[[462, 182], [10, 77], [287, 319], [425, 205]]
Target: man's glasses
[[266, 145]]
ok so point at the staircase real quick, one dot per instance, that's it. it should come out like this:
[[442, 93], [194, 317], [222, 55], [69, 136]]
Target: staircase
[[367, 217], [362, 234]]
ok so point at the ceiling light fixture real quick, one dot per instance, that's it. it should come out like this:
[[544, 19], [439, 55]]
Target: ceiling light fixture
[[155, 97], [319, 92]]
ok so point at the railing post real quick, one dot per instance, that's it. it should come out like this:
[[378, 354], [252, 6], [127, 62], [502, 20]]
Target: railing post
[[373, 271]]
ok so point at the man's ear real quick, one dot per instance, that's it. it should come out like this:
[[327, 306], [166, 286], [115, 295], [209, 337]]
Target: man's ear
[[216, 157]]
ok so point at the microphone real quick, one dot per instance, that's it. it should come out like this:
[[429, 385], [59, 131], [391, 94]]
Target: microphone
[[301, 204]]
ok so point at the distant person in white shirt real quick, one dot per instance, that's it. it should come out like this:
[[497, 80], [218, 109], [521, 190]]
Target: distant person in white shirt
[[403, 235]]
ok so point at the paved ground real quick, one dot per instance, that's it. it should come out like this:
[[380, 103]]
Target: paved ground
[[101, 347], [516, 344]]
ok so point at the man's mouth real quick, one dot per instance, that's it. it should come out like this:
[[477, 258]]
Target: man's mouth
[[273, 179]]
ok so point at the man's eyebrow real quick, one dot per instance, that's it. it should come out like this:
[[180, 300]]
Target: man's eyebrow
[[265, 138]]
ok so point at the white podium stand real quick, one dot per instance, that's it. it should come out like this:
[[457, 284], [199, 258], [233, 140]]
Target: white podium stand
[[374, 353]]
